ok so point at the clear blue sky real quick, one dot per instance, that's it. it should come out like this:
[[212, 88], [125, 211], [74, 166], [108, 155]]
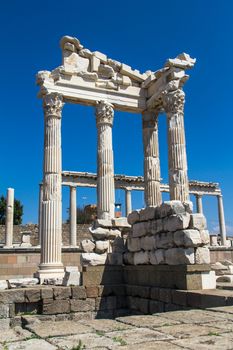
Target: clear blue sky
[[142, 34]]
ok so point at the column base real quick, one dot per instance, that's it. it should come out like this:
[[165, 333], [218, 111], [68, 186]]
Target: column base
[[53, 271]]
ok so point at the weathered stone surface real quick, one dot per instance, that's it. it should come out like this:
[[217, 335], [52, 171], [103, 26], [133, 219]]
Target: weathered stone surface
[[62, 292], [104, 233], [103, 223], [148, 243], [148, 213], [155, 226], [106, 303], [92, 292], [101, 247], [198, 221], [87, 245], [118, 245], [133, 244], [120, 222], [3, 284], [22, 282], [93, 259], [128, 258], [133, 217], [205, 237], [46, 293], [157, 257], [140, 229], [141, 258], [176, 222], [32, 295], [115, 259], [31, 344], [187, 238], [164, 240], [170, 208], [4, 311], [72, 276], [82, 305], [202, 255], [51, 307], [179, 256], [78, 292]]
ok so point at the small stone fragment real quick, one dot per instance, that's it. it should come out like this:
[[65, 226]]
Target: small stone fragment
[[87, 245], [101, 247]]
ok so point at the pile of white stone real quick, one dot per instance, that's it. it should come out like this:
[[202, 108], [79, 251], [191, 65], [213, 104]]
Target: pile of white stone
[[168, 234], [107, 245], [224, 271]]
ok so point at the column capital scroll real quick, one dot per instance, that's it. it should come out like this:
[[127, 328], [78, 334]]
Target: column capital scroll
[[104, 113], [173, 101], [53, 104]]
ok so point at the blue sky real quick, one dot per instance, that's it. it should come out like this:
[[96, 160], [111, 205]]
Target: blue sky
[[143, 35]]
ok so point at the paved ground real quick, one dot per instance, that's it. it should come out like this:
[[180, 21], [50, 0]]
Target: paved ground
[[189, 329]]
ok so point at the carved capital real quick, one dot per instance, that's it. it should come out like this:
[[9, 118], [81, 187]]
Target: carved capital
[[52, 104], [173, 101], [104, 113], [150, 119]]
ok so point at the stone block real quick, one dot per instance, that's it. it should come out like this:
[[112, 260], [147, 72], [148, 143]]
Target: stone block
[[133, 217], [198, 221], [141, 258], [78, 292], [3, 285], [171, 307], [51, 307], [148, 243], [143, 305], [128, 258], [148, 213], [157, 257], [93, 259], [179, 256], [165, 295], [62, 292], [82, 305], [118, 245], [187, 238], [202, 255], [134, 244], [4, 311], [92, 292], [141, 291], [156, 307], [12, 296], [121, 222], [176, 222], [101, 247], [72, 276], [115, 259], [179, 297], [46, 293], [154, 293], [32, 295], [140, 229], [87, 246], [156, 226], [103, 223], [170, 208], [106, 303], [205, 237], [209, 280], [100, 233], [164, 240], [22, 282]]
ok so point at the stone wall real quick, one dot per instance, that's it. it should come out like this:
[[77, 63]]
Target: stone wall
[[82, 233]]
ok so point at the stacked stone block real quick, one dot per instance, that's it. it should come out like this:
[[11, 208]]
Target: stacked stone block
[[168, 234]]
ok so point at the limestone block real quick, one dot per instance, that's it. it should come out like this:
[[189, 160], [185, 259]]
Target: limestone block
[[140, 229], [208, 280], [225, 278], [187, 238], [87, 245], [133, 217], [104, 233], [128, 258], [3, 284], [164, 240], [148, 213], [147, 243], [115, 259], [188, 206], [26, 239], [72, 276], [170, 208], [103, 223], [155, 226], [22, 282], [101, 247], [157, 256], [141, 258], [205, 237], [230, 270], [213, 240], [176, 222], [202, 255], [118, 245], [133, 244], [101, 56], [93, 259], [179, 256], [120, 222], [198, 221]]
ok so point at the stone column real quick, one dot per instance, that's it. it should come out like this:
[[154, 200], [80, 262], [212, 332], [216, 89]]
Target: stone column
[[173, 103], [73, 216], [221, 217], [128, 202], [51, 233], [9, 225], [40, 211], [105, 168], [199, 203], [152, 191]]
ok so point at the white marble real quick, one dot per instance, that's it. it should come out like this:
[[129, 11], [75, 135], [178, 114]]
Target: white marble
[[9, 218]]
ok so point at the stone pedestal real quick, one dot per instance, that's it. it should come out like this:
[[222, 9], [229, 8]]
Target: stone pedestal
[[151, 159], [9, 218], [173, 102], [51, 231], [105, 169], [73, 217]]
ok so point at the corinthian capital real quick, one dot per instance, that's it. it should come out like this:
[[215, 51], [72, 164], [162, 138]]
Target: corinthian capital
[[52, 104], [104, 113], [173, 101]]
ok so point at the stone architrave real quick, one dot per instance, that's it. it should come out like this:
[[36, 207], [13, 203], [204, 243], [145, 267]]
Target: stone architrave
[[73, 216], [9, 218], [152, 191], [51, 265], [105, 168], [173, 103]]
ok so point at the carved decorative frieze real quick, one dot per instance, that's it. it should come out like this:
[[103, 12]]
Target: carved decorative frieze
[[104, 113]]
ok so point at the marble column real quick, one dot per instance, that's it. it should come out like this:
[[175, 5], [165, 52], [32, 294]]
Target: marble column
[[73, 216], [40, 211], [9, 224], [152, 193], [199, 203], [221, 217], [173, 103], [105, 168], [128, 202], [51, 232]]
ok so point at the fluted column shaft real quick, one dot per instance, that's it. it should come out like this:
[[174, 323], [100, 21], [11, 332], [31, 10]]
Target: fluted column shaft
[[105, 168], [128, 202], [73, 216], [9, 224], [199, 203], [51, 265], [40, 211], [173, 102], [221, 216], [152, 191]]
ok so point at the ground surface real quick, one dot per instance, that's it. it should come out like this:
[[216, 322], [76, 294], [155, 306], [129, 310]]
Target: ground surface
[[189, 329]]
